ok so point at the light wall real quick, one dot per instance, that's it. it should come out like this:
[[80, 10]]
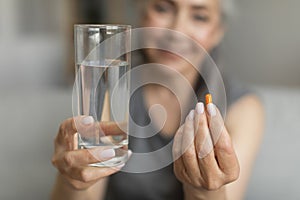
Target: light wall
[[33, 42], [263, 43]]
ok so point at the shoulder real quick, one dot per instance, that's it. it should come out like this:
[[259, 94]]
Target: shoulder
[[235, 91], [247, 104], [246, 112]]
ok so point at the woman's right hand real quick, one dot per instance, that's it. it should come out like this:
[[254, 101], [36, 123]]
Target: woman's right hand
[[73, 163]]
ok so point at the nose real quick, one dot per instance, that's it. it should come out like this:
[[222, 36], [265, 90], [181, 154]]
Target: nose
[[179, 23]]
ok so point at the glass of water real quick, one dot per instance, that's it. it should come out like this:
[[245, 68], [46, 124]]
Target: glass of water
[[101, 89]]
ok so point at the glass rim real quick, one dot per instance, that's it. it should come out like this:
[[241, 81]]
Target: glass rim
[[112, 26]]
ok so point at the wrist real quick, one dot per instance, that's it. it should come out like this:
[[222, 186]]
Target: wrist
[[200, 193], [64, 190]]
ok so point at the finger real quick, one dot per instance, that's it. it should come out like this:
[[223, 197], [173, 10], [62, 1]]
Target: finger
[[113, 132], [100, 130], [176, 149], [87, 127], [108, 128], [224, 150], [86, 124], [83, 157], [204, 146], [189, 156], [66, 136], [215, 121], [114, 128], [90, 174], [68, 127], [203, 141], [179, 170]]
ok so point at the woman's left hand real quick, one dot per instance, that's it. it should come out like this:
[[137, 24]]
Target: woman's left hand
[[203, 152]]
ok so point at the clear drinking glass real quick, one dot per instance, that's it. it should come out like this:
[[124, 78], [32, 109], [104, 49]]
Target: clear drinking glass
[[102, 56]]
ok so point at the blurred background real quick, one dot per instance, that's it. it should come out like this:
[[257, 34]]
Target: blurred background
[[36, 72]]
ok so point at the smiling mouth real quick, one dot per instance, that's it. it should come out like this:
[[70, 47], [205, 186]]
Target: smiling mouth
[[175, 55], [168, 54]]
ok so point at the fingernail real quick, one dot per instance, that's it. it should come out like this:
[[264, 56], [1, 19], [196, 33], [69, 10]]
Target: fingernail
[[87, 120], [211, 108], [107, 153], [199, 108], [191, 115], [129, 153]]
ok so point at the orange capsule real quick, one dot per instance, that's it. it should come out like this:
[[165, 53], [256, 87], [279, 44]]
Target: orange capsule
[[208, 99]]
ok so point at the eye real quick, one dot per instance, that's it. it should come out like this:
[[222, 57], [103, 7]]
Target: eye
[[162, 7], [202, 18]]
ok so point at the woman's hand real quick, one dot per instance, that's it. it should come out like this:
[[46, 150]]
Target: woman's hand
[[203, 151], [73, 163]]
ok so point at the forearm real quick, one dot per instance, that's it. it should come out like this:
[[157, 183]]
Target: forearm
[[191, 193], [64, 191]]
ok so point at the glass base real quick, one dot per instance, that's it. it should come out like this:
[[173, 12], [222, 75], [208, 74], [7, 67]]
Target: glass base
[[112, 162]]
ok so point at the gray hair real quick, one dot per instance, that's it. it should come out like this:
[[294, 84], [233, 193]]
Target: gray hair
[[228, 9]]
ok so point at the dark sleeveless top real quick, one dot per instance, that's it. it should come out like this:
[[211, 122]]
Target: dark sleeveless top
[[160, 184]]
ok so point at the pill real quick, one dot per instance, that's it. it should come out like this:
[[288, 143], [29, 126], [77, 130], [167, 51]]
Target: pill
[[208, 99]]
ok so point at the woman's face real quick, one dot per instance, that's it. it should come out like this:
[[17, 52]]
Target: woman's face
[[199, 20]]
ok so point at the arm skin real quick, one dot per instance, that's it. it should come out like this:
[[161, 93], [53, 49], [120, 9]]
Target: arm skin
[[64, 191], [245, 120]]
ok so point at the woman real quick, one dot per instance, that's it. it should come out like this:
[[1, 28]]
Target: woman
[[221, 172]]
